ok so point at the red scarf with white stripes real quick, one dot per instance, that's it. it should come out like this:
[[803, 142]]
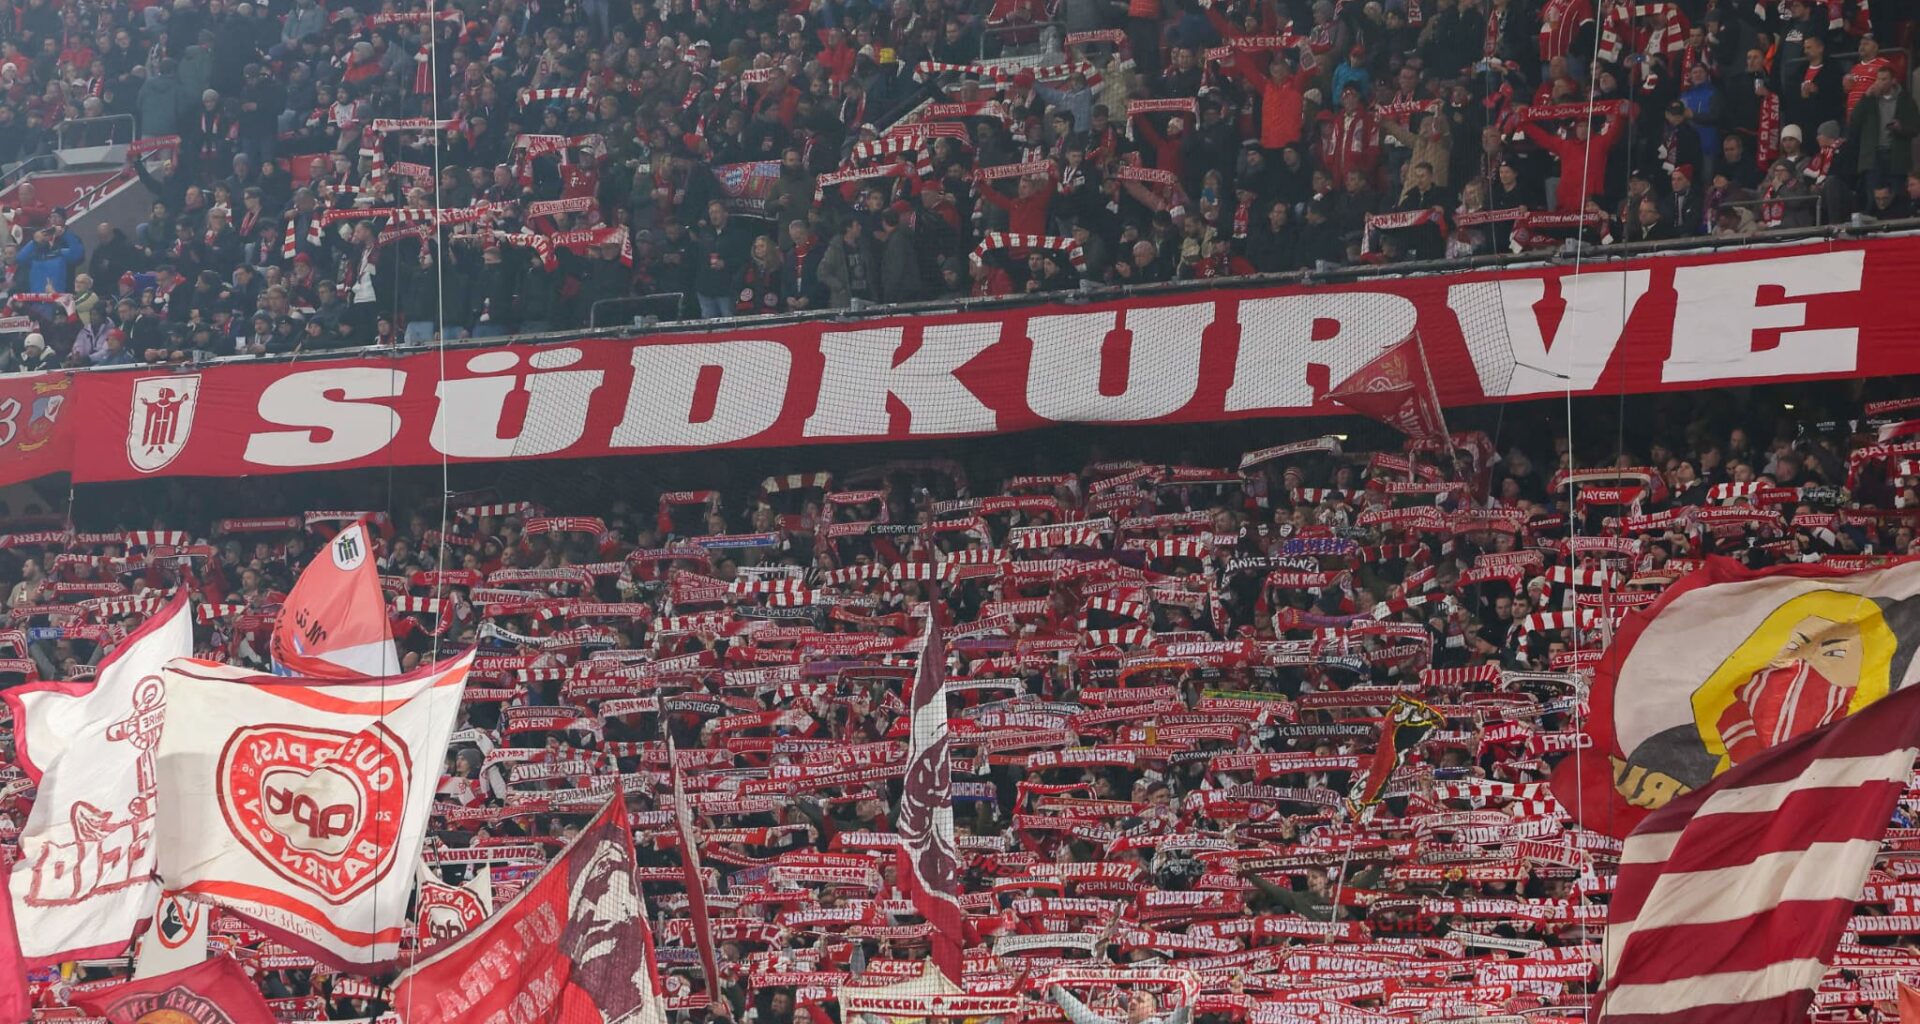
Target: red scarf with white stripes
[[1769, 144]]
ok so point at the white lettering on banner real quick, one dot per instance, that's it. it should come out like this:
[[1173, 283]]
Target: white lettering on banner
[[1162, 357], [748, 396], [467, 422], [1274, 367], [924, 382], [1513, 354], [333, 429], [1719, 318], [1640, 326]]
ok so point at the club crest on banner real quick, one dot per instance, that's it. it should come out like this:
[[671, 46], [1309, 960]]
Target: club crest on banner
[[161, 420], [177, 1005], [349, 549], [318, 806], [448, 912], [50, 398]]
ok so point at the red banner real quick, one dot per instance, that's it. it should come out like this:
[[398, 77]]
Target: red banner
[[215, 992], [573, 946], [1662, 323], [36, 427]]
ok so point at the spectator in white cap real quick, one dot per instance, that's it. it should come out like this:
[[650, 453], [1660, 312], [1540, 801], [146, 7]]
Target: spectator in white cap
[[1793, 147], [35, 356]]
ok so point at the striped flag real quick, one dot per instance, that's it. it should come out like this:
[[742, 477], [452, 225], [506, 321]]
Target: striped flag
[[1732, 898]]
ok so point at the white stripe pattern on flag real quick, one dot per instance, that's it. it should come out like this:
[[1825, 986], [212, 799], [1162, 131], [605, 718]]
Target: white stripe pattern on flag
[[1769, 982], [1781, 841]]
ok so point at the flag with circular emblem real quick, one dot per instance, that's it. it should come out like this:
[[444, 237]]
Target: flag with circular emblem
[[302, 805]]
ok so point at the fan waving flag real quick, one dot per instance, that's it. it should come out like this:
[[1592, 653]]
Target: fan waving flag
[[572, 948], [301, 805], [1733, 898], [1396, 389], [928, 858], [83, 883], [1728, 662], [334, 623]]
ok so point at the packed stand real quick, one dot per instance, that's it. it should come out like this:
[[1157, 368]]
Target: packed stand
[[598, 161], [1164, 680]]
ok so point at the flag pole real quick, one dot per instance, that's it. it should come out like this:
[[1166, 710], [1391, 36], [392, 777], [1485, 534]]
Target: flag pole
[[1420, 346]]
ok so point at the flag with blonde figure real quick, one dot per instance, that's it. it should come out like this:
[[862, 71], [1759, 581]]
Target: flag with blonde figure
[[1729, 662]]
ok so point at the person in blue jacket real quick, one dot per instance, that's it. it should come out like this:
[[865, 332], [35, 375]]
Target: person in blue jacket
[[49, 260]]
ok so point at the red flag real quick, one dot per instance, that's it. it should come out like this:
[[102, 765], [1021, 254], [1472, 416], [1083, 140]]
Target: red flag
[[1397, 390], [1909, 1003], [334, 624], [692, 875], [928, 859], [572, 948], [216, 991], [1732, 898]]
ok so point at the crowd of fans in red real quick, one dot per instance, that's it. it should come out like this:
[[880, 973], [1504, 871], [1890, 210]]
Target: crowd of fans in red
[[755, 157], [1124, 632]]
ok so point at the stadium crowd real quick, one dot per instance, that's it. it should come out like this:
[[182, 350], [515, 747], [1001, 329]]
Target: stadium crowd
[[1165, 676], [736, 158]]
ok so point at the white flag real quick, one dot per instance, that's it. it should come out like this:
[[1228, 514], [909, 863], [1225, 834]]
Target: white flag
[[177, 940], [302, 805], [84, 880]]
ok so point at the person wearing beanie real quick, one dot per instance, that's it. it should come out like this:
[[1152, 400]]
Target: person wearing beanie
[[1354, 72], [1793, 147], [35, 356], [1826, 173], [1679, 142]]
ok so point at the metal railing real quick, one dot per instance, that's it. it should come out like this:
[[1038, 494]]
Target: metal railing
[[994, 41], [1325, 275], [640, 308], [33, 164], [1758, 204], [107, 124]]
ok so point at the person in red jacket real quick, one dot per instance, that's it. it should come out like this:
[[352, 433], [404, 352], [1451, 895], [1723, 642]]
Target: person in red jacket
[[838, 58], [1027, 208], [1282, 97], [1168, 146], [1350, 138], [1583, 159], [779, 98], [989, 281]]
